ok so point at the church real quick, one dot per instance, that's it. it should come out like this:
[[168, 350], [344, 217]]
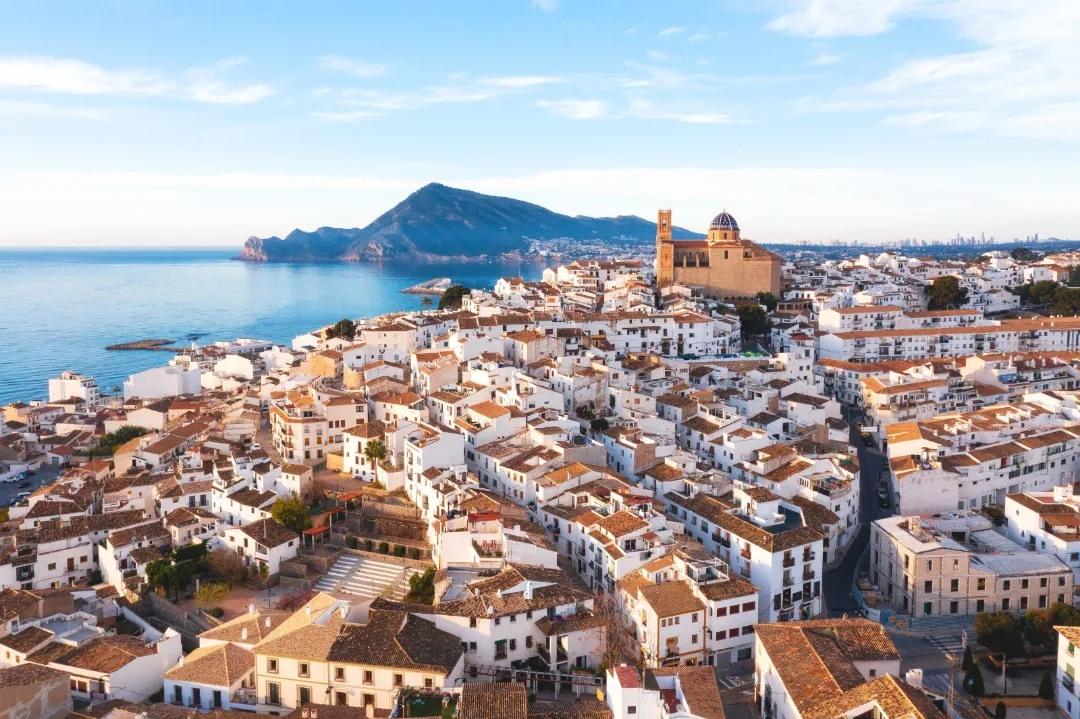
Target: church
[[723, 265]]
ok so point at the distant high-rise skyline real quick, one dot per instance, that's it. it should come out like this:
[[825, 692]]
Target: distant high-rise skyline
[[812, 120]]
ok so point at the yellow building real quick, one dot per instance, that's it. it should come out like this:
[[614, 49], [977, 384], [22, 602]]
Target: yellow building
[[721, 265]]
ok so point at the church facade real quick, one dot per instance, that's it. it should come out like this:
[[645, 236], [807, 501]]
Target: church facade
[[723, 265]]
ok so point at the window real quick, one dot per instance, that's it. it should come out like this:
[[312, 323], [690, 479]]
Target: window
[[981, 585], [1044, 582], [368, 678], [339, 674], [748, 607], [341, 699], [273, 693], [178, 691], [631, 709], [980, 606], [399, 680], [722, 611], [304, 669], [748, 629], [927, 608], [954, 585], [1023, 584], [271, 666], [196, 696], [1005, 604], [429, 682], [303, 696], [928, 586], [1006, 585], [528, 642]]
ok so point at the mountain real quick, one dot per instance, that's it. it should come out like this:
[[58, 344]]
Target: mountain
[[440, 222]]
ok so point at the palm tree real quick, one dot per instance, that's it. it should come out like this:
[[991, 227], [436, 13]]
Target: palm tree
[[426, 302], [375, 451]]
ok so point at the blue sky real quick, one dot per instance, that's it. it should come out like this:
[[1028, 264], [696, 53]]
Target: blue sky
[[201, 123]]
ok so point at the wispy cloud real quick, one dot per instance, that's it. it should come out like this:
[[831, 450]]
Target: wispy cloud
[[673, 30], [521, 80], [575, 109], [648, 110], [64, 76], [19, 108], [1006, 81], [356, 68], [824, 57], [545, 5]]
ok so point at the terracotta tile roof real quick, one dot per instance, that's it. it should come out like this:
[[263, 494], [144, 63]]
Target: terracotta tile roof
[[105, 655], [816, 659], [669, 599], [397, 640], [27, 640], [220, 665], [269, 532], [493, 701], [259, 625], [699, 688], [622, 523]]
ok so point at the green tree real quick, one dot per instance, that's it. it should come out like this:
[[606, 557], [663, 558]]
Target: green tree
[[600, 424], [753, 319], [1066, 301], [375, 451], [161, 574], [968, 659], [1000, 632], [768, 299], [451, 299], [422, 587], [1046, 686], [1023, 254], [109, 443], [344, 328], [1042, 292], [973, 681], [1000, 710], [945, 293], [225, 565], [211, 593], [426, 302], [292, 512]]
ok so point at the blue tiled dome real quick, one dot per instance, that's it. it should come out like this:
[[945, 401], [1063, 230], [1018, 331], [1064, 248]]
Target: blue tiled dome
[[724, 221]]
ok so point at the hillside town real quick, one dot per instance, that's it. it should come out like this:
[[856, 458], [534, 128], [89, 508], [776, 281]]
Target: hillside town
[[730, 483]]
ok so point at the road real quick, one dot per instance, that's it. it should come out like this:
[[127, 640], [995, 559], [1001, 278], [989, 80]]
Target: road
[[838, 580]]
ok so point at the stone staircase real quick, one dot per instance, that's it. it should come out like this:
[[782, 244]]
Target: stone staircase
[[365, 578]]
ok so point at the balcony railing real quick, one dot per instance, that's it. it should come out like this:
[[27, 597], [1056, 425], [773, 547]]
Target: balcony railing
[[789, 561], [245, 695]]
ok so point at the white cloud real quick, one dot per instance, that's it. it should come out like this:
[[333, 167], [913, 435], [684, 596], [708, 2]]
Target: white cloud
[[521, 80], [575, 109], [1018, 77], [700, 36], [658, 55], [75, 77], [19, 108], [673, 30], [346, 116], [545, 5], [831, 18], [64, 76], [356, 68], [206, 85], [648, 110], [824, 57]]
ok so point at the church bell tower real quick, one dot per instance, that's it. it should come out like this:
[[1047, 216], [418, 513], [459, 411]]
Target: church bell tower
[[665, 249]]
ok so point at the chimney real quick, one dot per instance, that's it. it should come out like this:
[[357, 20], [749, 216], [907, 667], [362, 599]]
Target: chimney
[[914, 678], [181, 662], [344, 611], [308, 608], [528, 591], [251, 609], [243, 634], [267, 622]]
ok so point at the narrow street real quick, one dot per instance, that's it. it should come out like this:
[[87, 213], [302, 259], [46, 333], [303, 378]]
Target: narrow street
[[838, 580]]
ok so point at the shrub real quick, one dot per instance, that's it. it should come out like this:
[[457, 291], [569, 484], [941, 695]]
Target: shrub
[[399, 551], [999, 711], [384, 548], [1046, 686], [414, 553], [352, 542], [369, 545], [973, 681], [216, 612]]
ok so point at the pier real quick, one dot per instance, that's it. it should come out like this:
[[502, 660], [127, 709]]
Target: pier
[[436, 286]]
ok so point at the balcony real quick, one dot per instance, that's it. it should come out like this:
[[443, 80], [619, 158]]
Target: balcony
[[745, 552], [789, 561], [245, 695]]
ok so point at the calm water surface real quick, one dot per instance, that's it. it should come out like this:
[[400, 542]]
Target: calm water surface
[[60, 308]]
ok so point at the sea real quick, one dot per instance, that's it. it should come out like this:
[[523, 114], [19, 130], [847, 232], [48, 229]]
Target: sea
[[60, 308]]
